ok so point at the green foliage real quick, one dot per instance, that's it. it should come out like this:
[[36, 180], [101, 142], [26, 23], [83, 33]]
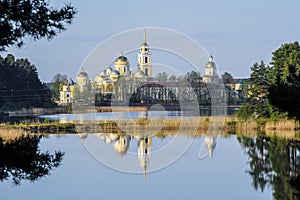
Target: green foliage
[[172, 78], [35, 19], [245, 112], [257, 104], [257, 98], [227, 78], [193, 76], [20, 86], [274, 163], [275, 91], [58, 80], [244, 93], [230, 95], [284, 92], [161, 77], [286, 64]]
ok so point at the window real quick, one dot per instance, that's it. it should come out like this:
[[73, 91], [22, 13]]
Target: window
[[146, 71], [146, 49], [68, 95], [146, 59]]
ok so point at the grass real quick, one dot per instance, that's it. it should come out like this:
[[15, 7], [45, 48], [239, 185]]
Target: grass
[[193, 127]]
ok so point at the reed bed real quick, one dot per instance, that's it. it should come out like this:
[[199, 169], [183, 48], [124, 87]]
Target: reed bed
[[194, 127], [283, 125], [11, 134]]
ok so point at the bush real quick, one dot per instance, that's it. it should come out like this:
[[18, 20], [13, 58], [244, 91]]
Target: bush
[[245, 112]]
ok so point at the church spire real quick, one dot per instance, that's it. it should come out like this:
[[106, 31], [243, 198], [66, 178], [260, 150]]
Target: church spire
[[211, 58], [145, 173], [145, 40]]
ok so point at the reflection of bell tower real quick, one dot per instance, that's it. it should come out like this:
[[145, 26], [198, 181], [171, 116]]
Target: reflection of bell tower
[[144, 152], [122, 144], [210, 143], [144, 58]]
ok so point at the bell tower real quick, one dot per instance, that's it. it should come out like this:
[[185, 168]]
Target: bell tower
[[144, 58]]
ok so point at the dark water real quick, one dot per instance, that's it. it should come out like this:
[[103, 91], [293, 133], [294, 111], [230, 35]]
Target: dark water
[[71, 167]]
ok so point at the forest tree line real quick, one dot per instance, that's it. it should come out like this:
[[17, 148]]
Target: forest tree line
[[20, 86]]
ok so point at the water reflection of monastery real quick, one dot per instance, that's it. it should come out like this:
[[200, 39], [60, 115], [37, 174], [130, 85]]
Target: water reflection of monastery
[[210, 143], [121, 145]]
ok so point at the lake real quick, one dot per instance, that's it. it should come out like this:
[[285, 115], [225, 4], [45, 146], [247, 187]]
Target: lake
[[164, 166], [204, 111]]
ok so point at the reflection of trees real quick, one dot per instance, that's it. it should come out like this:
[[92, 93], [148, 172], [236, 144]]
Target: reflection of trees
[[274, 163], [21, 159]]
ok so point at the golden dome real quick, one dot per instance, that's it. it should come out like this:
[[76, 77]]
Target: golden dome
[[83, 74], [121, 58]]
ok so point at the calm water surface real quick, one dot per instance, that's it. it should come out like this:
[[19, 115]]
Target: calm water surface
[[80, 176], [133, 115], [83, 166]]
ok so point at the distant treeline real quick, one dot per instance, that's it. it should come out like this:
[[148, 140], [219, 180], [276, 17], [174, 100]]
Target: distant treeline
[[20, 86]]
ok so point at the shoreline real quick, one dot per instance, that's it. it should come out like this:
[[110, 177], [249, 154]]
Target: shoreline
[[194, 126]]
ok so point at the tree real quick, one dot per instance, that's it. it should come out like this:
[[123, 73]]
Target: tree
[[193, 76], [230, 93], [172, 78], [275, 90], [286, 64], [35, 19], [227, 78], [20, 85], [285, 76], [258, 92], [161, 77], [58, 80], [257, 100], [273, 162], [21, 159]]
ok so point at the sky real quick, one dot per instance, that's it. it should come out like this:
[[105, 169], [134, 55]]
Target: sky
[[236, 33]]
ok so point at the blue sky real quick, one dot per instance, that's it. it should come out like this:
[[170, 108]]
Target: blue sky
[[237, 33]]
